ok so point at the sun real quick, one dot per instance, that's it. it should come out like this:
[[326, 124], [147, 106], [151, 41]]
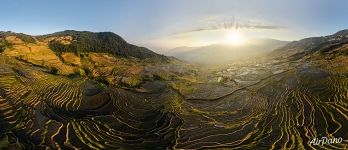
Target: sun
[[233, 37]]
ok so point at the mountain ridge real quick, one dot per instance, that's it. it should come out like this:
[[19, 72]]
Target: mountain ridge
[[122, 67], [86, 41], [307, 46], [224, 53]]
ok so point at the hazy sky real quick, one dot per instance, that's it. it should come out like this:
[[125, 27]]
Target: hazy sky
[[164, 24]]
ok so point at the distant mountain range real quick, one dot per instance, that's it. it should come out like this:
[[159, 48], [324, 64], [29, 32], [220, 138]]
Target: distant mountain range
[[331, 45], [224, 53], [335, 44]]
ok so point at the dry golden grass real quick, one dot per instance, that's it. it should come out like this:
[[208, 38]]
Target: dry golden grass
[[39, 54], [121, 71], [71, 58], [65, 40], [14, 40]]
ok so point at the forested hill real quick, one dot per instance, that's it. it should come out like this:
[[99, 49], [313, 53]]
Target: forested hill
[[105, 42]]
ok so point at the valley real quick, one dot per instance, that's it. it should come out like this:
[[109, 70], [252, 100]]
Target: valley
[[63, 97]]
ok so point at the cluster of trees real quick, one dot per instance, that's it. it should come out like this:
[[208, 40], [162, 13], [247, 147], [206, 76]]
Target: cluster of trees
[[4, 44], [105, 42]]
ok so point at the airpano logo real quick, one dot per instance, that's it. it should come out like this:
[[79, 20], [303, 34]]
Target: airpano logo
[[325, 140]]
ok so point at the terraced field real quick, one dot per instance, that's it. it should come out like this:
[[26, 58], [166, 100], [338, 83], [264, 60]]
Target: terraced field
[[40, 111], [285, 111], [282, 111]]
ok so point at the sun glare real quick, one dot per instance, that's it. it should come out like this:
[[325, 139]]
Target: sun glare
[[234, 37]]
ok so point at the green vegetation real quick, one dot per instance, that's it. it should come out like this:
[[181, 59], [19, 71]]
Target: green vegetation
[[183, 86], [173, 103], [102, 42], [4, 44]]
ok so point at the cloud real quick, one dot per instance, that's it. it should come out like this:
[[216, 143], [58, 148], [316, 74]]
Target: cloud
[[219, 23], [212, 30]]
